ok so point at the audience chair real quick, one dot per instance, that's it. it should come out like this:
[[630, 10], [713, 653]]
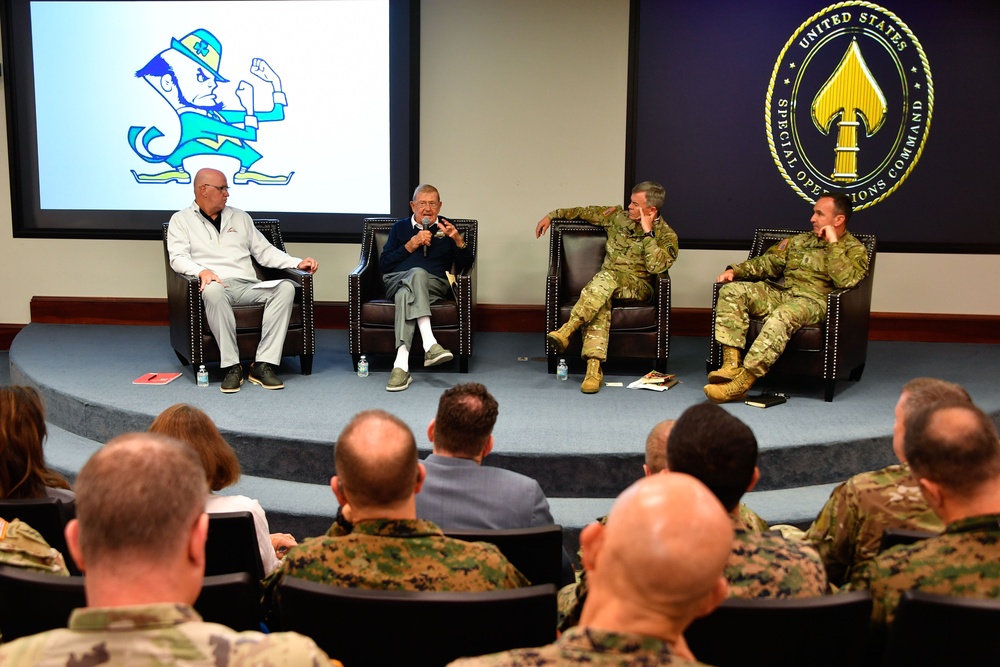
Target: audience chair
[[49, 517], [33, 602], [193, 341], [425, 628], [232, 545], [892, 537], [536, 552], [931, 629], [830, 630], [371, 315], [832, 350], [638, 329], [232, 600]]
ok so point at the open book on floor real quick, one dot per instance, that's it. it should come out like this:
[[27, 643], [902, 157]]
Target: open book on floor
[[655, 381]]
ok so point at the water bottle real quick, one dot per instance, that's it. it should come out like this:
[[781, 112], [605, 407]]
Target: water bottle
[[202, 376], [562, 370], [362, 367]]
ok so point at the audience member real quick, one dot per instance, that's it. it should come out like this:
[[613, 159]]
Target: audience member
[[787, 285], [222, 468], [22, 546], [23, 473], [377, 541], [954, 454], [848, 530], [228, 278], [640, 245], [139, 537], [653, 568], [414, 280]]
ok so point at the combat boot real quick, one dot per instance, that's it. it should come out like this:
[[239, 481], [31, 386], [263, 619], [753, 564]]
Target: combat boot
[[730, 366], [594, 379], [559, 339], [736, 390]]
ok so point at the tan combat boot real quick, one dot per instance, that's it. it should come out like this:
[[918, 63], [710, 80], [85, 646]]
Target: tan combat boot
[[559, 339], [594, 379], [730, 366], [736, 390]]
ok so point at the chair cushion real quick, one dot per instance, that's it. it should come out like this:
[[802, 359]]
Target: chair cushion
[[625, 315], [805, 339], [382, 313], [251, 318]]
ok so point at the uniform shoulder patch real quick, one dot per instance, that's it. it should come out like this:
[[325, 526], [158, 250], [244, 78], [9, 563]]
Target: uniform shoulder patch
[[783, 244], [608, 211]]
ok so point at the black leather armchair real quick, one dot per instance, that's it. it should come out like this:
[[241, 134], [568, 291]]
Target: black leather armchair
[[638, 329], [832, 350], [371, 315], [193, 341]]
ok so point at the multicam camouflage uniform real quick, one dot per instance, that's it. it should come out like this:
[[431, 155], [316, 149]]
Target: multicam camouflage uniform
[[964, 561], [22, 546], [848, 530], [159, 634], [586, 646], [630, 261], [811, 268]]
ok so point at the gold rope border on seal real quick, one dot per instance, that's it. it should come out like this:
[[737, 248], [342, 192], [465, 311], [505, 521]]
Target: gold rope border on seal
[[774, 76]]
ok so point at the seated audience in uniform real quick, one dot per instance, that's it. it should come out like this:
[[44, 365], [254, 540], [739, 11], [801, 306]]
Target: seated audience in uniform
[[954, 455], [22, 546], [222, 469], [848, 531], [23, 473], [139, 538], [654, 567]]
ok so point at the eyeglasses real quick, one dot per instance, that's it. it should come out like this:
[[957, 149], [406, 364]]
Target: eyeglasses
[[220, 188], [430, 204]]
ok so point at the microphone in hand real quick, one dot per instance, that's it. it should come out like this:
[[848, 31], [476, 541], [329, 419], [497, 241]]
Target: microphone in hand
[[426, 224]]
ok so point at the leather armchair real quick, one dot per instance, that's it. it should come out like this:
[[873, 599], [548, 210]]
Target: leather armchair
[[832, 350], [193, 341], [371, 315], [638, 329]]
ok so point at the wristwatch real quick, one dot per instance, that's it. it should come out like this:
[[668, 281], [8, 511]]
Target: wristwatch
[[650, 234]]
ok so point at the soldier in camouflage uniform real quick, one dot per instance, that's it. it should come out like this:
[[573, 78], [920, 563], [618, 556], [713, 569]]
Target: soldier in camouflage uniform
[[809, 266], [22, 546], [378, 542], [140, 537], [640, 245], [654, 567], [848, 530], [954, 453]]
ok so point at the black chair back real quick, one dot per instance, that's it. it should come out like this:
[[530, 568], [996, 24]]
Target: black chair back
[[49, 517], [931, 629], [892, 537], [536, 551], [33, 602], [232, 545], [232, 600], [422, 628], [801, 629]]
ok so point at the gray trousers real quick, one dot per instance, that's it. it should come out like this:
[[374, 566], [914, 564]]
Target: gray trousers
[[219, 302], [413, 291]]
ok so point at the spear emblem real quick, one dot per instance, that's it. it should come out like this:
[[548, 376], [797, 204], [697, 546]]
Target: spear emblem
[[851, 93]]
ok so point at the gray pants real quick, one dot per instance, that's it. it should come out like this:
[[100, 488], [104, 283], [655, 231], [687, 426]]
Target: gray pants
[[413, 291], [219, 302]]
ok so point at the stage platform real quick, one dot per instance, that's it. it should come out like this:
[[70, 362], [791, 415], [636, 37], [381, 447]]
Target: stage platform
[[583, 449]]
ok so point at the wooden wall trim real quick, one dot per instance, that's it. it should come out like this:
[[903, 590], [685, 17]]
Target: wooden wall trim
[[914, 327]]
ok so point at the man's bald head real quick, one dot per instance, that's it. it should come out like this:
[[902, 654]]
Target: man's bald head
[[661, 554], [955, 445], [656, 447], [376, 460]]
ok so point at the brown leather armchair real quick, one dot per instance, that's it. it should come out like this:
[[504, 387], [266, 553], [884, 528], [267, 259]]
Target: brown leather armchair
[[638, 329], [193, 341], [832, 350], [371, 315]]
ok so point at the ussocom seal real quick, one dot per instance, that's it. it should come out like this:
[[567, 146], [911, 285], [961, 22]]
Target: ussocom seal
[[849, 104]]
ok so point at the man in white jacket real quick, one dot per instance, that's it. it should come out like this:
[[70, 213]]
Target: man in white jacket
[[216, 242]]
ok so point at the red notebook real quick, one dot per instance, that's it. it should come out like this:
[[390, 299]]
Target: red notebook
[[156, 378]]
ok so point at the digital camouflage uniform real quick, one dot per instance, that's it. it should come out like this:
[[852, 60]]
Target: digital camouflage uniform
[[964, 561], [848, 530], [22, 546], [395, 554], [585, 646], [158, 634], [811, 268], [631, 260], [571, 597], [766, 565]]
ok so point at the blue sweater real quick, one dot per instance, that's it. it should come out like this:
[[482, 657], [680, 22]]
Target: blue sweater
[[441, 254]]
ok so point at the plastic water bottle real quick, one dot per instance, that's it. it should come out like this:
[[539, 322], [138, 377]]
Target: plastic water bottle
[[362, 367], [562, 370], [202, 376]]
